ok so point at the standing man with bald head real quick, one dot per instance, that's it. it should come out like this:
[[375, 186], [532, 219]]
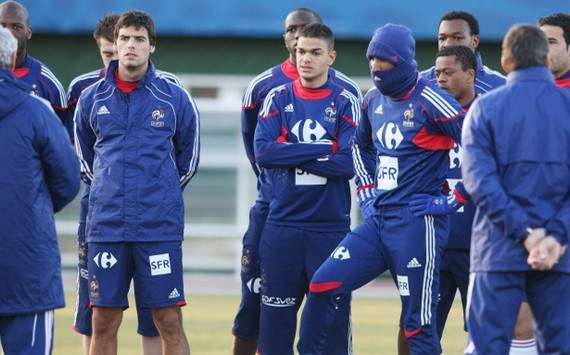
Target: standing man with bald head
[[246, 323], [14, 17]]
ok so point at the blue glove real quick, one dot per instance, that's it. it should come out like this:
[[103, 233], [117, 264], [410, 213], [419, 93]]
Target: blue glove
[[424, 204], [367, 208]]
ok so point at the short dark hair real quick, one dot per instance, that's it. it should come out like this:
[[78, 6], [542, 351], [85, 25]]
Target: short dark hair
[[527, 45], [105, 27], [465, 16], [558, 19], [318, 30], [310, 12], [463, 54], [136, 19]]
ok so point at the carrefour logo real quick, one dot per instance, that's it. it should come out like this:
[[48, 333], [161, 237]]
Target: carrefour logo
[[308, 130], [455, 157], [105, 260], [389, 135]]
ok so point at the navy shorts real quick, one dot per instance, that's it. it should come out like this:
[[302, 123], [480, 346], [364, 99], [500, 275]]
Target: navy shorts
[[28, 334], [83, 314], [155, 268]]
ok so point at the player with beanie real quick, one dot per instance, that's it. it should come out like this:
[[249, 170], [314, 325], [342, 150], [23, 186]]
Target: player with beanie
[[400, 149]]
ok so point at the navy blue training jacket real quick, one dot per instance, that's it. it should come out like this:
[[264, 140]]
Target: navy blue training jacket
[[517, 168], [39, 175]]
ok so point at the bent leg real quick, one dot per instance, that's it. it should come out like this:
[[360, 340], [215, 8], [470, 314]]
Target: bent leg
[[356, 261]]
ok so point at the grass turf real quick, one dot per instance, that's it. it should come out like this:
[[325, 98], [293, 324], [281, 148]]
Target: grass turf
[[208, 321]]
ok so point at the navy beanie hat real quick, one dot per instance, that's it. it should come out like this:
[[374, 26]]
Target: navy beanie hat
[[393, 43]]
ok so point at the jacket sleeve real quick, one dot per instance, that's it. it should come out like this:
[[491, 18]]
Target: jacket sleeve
[[60, 165], [364, 157], [187, 139], [340, 164], [84, 141], [444, 112], [559, 225], [482, 180], [248, 124], [272, 148], [55, 93], [72, 97]]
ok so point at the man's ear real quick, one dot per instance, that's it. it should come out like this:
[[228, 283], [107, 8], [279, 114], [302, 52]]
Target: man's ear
[[152, 49], [332, 56]]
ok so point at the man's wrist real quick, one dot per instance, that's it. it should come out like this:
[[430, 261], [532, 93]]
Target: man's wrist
[[525, 234]]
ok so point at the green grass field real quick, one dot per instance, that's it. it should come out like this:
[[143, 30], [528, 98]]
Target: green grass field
[[208, 321]]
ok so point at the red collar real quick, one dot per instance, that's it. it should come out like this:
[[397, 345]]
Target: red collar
[[20, 72], [125, 86], [289, 69], [310, 94], [563, 83]]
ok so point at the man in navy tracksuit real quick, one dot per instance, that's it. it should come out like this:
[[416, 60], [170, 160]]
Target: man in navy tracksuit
[[455, 69], [137, 135], [303, 139], [39, 176], [103, 35], [516, 169], [401, 148], [43, 82], [246, 323]]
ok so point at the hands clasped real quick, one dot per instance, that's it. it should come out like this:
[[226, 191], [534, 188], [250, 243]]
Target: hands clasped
[[544, 251]]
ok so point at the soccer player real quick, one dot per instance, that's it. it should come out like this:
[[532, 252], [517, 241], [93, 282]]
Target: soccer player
[[455, 69], [557, 30], [519, 183], [400, 148], [303, 137], [246, 323], [103, 36], [137, 135], [39, 175], [15, 18]]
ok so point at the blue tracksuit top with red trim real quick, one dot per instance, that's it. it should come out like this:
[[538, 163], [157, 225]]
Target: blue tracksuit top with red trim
[[45, 85], [462, 221], [256, 92], [303, 139], [402, 146]]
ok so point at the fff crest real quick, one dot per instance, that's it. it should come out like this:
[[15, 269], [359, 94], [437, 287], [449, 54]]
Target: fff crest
[[157, 116], [409, 116], [330, 114]]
